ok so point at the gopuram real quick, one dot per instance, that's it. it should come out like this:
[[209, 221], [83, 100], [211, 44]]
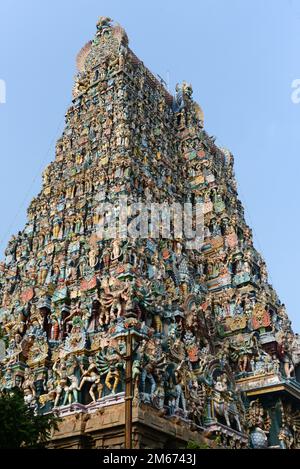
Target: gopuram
[[194, 334]]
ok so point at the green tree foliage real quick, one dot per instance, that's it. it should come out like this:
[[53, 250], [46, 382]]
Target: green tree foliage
[[20, 427], [194, 445], [205, 444]]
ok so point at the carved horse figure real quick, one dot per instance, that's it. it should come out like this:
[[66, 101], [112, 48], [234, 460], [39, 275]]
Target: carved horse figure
[[226, 407]]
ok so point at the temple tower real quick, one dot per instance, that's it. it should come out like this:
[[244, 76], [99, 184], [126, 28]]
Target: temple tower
[[214, 358]]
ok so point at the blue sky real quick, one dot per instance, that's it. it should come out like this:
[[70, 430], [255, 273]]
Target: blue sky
[[241, 57]]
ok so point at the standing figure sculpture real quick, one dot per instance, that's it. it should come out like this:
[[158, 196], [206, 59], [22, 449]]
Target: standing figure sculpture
[[91, 375]]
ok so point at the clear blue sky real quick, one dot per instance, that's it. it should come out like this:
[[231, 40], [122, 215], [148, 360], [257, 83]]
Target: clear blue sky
[[241, 57]]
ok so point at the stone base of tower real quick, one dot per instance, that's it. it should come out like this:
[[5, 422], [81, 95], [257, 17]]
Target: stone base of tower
[[103, 428]]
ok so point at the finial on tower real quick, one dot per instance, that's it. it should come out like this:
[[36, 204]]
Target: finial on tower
[[104, 22]]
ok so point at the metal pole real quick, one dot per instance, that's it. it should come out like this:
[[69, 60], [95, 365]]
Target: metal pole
[[128, 393]]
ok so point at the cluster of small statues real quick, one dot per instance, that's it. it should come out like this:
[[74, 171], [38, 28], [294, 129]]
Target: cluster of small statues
[[208, 317]]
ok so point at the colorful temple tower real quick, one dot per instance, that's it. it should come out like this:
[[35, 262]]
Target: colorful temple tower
[[194, 333]]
